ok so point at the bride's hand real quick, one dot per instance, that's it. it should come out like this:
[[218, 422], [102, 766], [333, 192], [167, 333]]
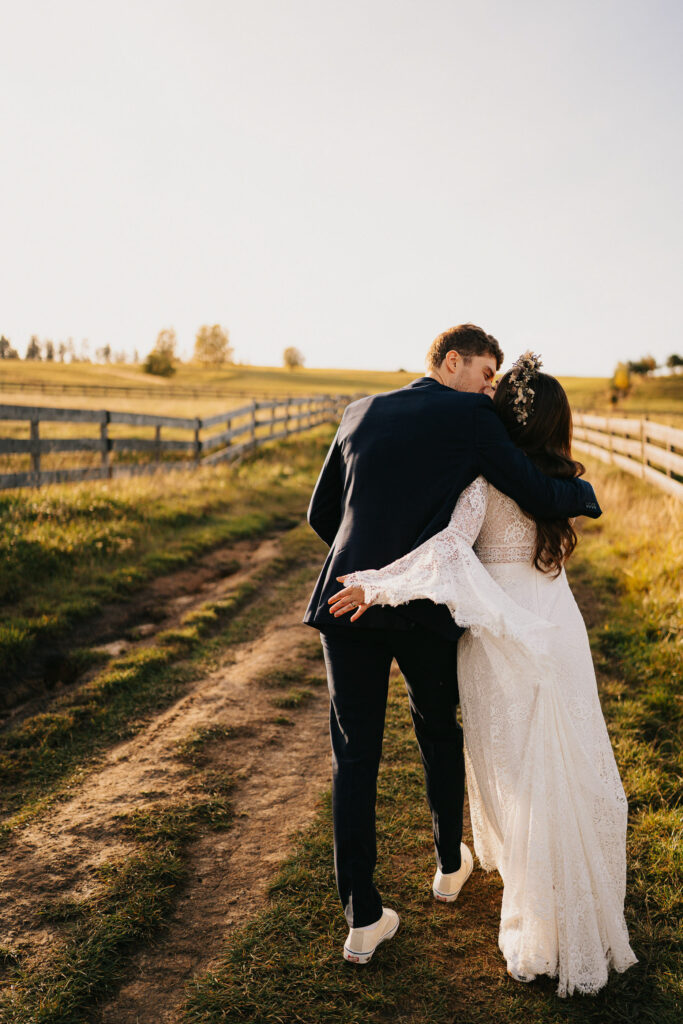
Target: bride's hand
[[348, 599]]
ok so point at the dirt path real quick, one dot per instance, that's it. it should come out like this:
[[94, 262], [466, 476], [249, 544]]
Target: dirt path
[[279, 769], [281, 772]]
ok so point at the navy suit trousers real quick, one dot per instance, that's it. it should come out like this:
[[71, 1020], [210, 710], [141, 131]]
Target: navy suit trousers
[[358, 664]]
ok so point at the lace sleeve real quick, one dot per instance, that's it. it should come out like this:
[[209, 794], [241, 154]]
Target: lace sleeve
[[445, 570], [426, 572]]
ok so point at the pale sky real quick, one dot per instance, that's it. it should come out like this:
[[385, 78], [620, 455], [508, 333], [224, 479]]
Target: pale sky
[[348, 177]]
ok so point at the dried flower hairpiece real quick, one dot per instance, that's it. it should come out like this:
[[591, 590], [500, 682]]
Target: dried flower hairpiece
[[521, 392]]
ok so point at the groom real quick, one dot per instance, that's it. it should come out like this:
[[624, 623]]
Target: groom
[[390, 481]]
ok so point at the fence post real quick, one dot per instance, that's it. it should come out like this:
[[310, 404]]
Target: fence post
[[35, 446], [104, 438], [157, 443], [643, 456], [197, 442], [253, 424], [228, 426], [287, 419]]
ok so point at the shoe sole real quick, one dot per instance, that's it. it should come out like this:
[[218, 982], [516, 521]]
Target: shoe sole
[[522, 978], [364, 958], [443, 897]]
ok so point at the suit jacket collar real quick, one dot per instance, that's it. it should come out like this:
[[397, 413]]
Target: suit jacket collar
[[428, 382]]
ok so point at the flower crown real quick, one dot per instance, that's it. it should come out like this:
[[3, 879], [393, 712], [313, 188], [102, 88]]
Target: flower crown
[[521, 392]]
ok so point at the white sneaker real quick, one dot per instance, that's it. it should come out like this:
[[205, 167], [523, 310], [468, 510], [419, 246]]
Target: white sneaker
[[446, 887], [361, 943]]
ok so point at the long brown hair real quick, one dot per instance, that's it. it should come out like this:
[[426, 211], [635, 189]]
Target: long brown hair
[[546, 437]]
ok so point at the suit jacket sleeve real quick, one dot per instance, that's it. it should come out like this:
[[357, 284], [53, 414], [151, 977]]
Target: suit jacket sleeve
[[324, 511], [513, 473]]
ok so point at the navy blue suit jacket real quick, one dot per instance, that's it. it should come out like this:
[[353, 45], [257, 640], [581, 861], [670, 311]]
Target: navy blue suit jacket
[[391, 480]]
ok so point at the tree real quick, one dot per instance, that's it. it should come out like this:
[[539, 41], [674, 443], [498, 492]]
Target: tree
[[6, 350], [61, 351], [621, 381], [292, 358], [162, 357], [103, 354], [212, 345], [643, 366], [49, 351], [33, 350], [674, 362]]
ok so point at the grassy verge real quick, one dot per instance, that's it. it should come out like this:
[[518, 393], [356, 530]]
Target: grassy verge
[[68, 550], [444, 964]]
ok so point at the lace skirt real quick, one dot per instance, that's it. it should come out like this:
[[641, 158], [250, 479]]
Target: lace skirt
[[548, 808]]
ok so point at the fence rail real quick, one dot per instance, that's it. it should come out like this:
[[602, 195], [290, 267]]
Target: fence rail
[[652, 451], [161, 391], [283, 417]]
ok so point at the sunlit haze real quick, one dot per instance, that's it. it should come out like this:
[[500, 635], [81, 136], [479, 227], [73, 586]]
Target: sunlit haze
[[350, 178]]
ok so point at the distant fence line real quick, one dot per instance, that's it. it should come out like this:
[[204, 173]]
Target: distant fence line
[[129, 390], [289, 416], [649, 450]]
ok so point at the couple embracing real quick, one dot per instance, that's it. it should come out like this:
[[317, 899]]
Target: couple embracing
[[448, 510]]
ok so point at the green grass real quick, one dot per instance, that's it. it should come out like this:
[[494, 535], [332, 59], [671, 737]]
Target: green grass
[[444, 965], [294, 699], [68, 550]]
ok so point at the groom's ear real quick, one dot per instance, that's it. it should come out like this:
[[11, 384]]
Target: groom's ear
[[451, 359]]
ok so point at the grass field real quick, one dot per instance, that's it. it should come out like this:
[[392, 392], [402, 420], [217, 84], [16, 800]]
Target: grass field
[[656, 394], [71, 551]]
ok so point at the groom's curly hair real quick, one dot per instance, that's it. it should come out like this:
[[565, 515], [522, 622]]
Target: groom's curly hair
[[467, 339]]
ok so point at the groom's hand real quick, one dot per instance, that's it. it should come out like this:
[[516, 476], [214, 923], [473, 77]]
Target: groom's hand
[[348, 599]]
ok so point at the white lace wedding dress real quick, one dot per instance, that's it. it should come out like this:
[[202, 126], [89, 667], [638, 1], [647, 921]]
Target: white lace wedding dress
[[547, 805]]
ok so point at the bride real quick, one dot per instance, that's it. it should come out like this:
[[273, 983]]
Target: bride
[[547, 805]]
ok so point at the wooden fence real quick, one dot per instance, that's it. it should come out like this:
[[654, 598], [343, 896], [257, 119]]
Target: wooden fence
[[242, 430], [165, 391], [649, 450]]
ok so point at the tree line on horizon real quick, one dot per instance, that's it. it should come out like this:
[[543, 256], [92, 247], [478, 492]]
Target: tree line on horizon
[[211, 348]]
